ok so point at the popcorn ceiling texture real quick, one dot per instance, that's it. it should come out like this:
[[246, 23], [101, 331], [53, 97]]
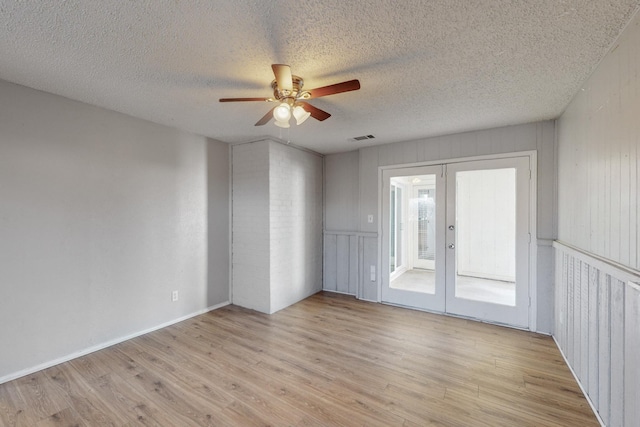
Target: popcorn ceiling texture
[[426, 67]]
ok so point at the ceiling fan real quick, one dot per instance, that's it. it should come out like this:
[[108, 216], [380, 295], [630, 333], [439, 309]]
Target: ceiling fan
[[291, 98]]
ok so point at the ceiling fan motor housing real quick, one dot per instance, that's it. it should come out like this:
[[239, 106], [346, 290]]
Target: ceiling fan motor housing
[[285, 95]]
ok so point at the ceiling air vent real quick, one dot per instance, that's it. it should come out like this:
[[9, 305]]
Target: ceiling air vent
[[363, 137]]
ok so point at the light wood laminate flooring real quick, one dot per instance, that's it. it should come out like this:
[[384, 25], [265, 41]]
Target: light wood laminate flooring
[[329, 360]]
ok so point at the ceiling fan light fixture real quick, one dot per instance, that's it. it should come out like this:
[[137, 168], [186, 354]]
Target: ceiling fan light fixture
[[291, 99], [282, 124], [300, 114], [282, 113]]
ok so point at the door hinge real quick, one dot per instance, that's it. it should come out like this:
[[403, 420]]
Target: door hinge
[[530, 174], [529, 301]]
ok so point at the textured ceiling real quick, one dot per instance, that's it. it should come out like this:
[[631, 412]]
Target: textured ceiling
[[426, 67]]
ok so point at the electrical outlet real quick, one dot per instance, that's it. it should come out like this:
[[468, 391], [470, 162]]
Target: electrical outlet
[[174, 296]]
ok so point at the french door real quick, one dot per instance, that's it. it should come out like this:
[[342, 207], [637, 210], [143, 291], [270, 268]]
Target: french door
[[457, 239], [408, 282]]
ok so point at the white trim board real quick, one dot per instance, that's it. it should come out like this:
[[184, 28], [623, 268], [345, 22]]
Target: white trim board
[[619, 271], [92, 349]]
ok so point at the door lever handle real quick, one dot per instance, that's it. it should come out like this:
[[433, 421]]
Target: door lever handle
[[451, 246]]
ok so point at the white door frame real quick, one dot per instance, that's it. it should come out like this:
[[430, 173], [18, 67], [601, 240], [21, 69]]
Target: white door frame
[[533, 156]]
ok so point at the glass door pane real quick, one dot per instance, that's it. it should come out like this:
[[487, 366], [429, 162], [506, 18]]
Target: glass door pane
[[411, 211]]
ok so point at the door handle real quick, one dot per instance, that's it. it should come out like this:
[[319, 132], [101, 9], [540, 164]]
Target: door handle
[[451, 246], [451, 227]]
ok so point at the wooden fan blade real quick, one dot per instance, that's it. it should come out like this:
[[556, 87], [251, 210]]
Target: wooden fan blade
[[283, 76], [316, 113], [335, 88], [266, 118], [243, 99]]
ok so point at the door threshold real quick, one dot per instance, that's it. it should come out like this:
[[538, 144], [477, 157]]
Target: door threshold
[[458, 316]]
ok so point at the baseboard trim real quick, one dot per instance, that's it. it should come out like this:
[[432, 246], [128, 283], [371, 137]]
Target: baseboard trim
[[75, 355], [584, 392]]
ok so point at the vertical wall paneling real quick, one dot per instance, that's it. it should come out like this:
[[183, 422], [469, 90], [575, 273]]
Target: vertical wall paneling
[[584, 323], [604, 345], [342, 189], [370, 256], [570, 311], [592, 349], [616, 417], [368, 178], [601, 340], [561, 325], [330, 276], [598, 137], [353, 265], [559, 307], [342, 261], [344, 252], [632, 352]]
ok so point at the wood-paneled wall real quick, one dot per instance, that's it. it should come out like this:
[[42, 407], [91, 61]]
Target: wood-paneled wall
[[344, 269], [597, 327], [599, 157], [351, 196]]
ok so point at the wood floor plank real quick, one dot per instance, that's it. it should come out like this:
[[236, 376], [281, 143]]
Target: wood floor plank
[[40, 398], [328, 360], [77, 391], [65, 418]]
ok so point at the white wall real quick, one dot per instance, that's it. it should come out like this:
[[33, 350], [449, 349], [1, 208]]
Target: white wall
[[533, 136], [277, 225], [102, 216], [598, 185], [295, 192]]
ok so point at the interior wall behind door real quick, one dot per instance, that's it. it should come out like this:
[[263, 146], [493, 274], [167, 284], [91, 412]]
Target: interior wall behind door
[[345, 183]]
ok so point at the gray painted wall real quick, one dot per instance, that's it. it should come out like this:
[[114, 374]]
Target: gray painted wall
[[599, 158], [102, 216], [342, 212], [598, 330], [599, 231]]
